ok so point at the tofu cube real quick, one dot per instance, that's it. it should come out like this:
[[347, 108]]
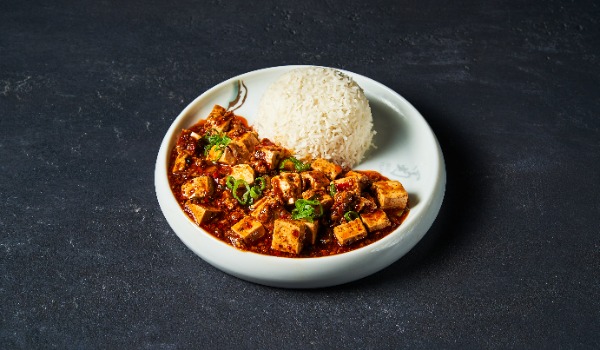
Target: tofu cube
[[240, 151], [265, 209], [288, 186], [366, 204], [198, 187], [223, 155], [363, 180], [350, 232], [201, 213], [349, 183], [181, 162], [288, 236], [214, 153], [271, 155], [244, 172], [219, 119], [344, 201], [322, 196], [314, 180], [390, 194], [311, 232], [234, 153], [217, 154], [250, 140], [376, 220], [249, 229], [330, 169]]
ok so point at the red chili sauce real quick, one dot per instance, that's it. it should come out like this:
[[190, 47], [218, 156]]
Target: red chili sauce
[[202, 150]]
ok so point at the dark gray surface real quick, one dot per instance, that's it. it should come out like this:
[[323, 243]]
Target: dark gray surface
[[88, 89]]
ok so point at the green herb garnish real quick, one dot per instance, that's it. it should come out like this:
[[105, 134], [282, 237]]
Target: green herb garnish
[[332, 189], [307, 210], [218, 140], [298, 165]]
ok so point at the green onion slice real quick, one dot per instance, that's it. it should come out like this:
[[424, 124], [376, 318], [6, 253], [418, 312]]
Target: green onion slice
[[351, 215], [255, 192], [250, 193], [230, 182], [244, 199], [262, 181]]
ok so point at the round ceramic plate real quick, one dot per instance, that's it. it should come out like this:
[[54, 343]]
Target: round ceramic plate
[[406, 150]]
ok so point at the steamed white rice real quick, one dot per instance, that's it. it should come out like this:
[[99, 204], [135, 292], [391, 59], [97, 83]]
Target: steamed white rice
[[318, 113]]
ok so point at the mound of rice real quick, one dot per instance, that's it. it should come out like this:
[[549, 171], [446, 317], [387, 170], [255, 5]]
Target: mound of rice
[[318, 113]]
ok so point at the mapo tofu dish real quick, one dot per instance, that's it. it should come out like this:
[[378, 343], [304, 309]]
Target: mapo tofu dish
[[256, 196]]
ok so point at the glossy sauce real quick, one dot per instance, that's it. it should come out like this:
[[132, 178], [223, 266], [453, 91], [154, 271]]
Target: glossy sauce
[[231, 211]]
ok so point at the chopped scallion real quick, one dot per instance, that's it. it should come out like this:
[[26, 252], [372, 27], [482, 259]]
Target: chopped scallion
[[351, 216], [244, 199], [218, 140], [307, 209], [261, 182], [250, 193]]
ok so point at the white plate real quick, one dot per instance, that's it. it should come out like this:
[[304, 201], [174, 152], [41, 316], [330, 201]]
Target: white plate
[[407, 150]]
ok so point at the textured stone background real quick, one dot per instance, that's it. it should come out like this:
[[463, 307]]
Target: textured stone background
[[88, 89]]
